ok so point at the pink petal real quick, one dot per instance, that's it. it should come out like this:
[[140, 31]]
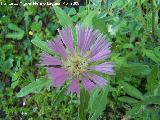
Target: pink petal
[[100, 44], [67, 38], [100, 50], [104, 53], [46, 59], [74, 87], [86, 37], [106, 67], [80, 36], [58, 75], [58, 47], [101, 82], [90, 39], [88, 85]]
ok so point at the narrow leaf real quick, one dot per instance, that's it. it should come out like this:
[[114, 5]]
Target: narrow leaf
[[88, 19], [99, 24], [43, 45], [127, 100], [17, 33], [134, 69], [150, 54], [152, 81], [151, 100], [99, 104], [134, 110], [59, 97], [82, 109], [132, 91], [33, 87], [14, 27], [64, 19]]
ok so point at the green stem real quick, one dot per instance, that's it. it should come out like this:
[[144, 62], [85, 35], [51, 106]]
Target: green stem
[[83, 106], [87, 6], [142, 13], [153, 18], [89, 2], [147, 15], [158, 7]]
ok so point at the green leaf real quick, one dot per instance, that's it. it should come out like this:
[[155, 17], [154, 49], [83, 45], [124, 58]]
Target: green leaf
[[157, 51], [95, 2], [93, 99], [64, 19], [157, 91], [127, 99], [82, 109], [134, 69], [36, 26], [134, 110], [59, 97], [14, 27], [15, 78], [150, 100], [72, 11], [150, 54], [14, 84], [62, 92], [99, 24], [88, 19], [33, 87], [43, 45], [128, 45], [152, 81], [132, 91], [17, 34], [98, 103], [7, 64], [118, 3]]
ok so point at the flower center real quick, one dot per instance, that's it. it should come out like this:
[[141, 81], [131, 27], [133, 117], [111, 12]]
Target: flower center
[[75, 64]]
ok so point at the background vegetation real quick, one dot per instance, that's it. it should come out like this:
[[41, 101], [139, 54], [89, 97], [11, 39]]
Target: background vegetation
[[131, 26]]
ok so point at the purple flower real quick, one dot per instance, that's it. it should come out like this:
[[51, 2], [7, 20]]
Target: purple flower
[[77, 62]]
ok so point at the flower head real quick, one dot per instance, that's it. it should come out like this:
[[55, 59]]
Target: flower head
[[30, 33], [76, 62]]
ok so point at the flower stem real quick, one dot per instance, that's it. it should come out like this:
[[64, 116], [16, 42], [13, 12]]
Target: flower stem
[[142, 13], [83, 106], [147, 11], [87, 6], [153, 18]]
